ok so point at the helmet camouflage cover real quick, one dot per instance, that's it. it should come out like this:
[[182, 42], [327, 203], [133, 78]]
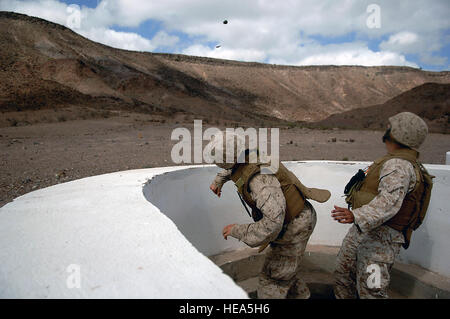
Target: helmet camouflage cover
[[408, 129], [224, 143]]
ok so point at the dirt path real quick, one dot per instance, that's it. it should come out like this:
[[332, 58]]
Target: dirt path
[[37, 156]]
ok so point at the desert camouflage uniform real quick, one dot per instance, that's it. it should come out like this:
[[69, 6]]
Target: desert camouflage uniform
[[280, 273], [369, 241]]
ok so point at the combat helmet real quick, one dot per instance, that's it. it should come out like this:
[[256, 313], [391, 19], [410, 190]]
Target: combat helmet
[[223, 144], [408, 129]]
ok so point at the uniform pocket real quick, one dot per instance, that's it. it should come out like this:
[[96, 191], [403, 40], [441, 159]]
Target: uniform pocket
[[280, 267], [375, 254], [380, 251]]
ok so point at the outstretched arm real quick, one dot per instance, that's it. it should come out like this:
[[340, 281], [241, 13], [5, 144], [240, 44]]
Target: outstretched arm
[[221, 178]]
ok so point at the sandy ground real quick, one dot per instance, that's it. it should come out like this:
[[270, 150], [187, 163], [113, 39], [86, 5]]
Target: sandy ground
[[40, 155]]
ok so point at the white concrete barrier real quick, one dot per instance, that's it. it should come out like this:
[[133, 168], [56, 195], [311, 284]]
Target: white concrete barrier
[[184, 196], [145, 233], [99, 237]]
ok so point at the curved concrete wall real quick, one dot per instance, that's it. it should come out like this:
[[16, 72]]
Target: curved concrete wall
[[125, 232], [98, 237], [184, 197]]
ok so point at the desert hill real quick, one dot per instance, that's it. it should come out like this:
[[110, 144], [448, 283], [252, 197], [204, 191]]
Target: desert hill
[[47, 66], [431, 101]]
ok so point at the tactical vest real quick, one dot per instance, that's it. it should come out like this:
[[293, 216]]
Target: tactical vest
[[293, 190], [415, 203]]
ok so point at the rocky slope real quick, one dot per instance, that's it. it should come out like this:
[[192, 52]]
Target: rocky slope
[[431, 101], [46, 65]]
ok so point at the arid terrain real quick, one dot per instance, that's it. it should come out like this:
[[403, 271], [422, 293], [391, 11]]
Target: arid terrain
[[48, 66], [40, 155], [431, 101], [72, 108]]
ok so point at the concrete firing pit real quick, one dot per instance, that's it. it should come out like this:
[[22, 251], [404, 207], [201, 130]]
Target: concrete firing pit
[[156, 233], [422, 271]]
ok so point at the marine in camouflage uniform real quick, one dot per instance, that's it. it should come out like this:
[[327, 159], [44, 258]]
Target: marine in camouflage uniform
[[287, 235], [280, 273], [370, 245]]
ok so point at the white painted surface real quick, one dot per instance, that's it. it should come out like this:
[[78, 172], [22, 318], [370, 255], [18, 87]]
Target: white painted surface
[[112, 227], [447, 158], [124, 246], [191, 200], [200, 215]]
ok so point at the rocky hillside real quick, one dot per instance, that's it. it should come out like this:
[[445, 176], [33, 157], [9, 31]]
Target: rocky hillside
[[46, 65], [431, 101]]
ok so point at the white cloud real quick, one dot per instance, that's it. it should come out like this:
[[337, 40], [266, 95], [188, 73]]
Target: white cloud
[[51, 10], [121, 40], [433, 60], [247, 55], [403, 38], [94, 23], [352, 53], [410, 43], [406, 42], [362, 56], [128, 40], [162, 39]]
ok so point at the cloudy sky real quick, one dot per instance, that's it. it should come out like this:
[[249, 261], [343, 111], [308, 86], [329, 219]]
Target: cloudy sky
[[295, 32]]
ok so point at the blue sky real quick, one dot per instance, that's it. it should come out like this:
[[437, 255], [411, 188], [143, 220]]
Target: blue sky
[[347, 32]]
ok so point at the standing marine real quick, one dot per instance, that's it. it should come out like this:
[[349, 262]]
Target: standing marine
[[283, 218], [388, 201]]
